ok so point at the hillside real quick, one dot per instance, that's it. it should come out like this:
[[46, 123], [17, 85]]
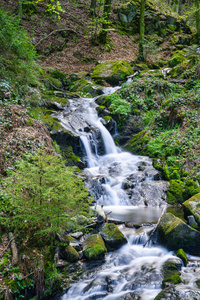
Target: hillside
[[48, 61]]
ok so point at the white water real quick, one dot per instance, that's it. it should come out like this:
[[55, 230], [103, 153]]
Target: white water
[[133, 268]]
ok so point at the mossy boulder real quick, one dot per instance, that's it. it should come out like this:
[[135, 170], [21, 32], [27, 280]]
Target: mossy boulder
[[192, 206], [86, 88], [176, 234], [112, 72], [70, 254], [182, 255], [52, 83], [94, 247], [170, 271], [112, 236]]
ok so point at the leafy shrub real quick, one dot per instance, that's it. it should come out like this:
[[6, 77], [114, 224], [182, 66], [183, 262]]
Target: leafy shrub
[[118, 106]]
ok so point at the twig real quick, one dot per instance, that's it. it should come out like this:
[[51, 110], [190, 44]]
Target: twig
[[152, 233], [4, 250], [57, 30]]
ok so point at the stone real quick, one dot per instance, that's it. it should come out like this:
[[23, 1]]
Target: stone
[[86, 88], [94, 247], [192, 222], [112, 72], [192, 206], [70, 254], [112, 236], [170, 270], [178, 293], [175, 234], [182, 255]]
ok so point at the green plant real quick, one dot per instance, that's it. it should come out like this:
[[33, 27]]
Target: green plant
[[43, 195], [17, 54], [118, 106]]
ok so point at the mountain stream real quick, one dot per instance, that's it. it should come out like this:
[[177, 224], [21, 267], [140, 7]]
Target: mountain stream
[[128, 186]]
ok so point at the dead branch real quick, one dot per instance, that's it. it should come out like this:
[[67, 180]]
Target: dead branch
[[57, 30], [153, 231]]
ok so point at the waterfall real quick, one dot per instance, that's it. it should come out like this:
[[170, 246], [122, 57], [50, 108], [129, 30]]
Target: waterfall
[[130, 188]]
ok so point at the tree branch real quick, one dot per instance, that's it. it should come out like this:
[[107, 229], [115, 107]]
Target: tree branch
[[57, 30]]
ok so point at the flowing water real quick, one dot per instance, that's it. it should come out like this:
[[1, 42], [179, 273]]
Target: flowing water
[[130, 188]]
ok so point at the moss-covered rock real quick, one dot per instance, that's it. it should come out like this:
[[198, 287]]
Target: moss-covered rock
[[177, 58], [70, 254], [175, 192], [94, 247], [112, 72], [192, 206], [170, 271], [182, 255], [86, 88], [112, 236], [176, 234]]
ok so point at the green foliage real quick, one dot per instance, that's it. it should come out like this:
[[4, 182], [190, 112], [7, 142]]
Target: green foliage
[[17, 54], [118, 106], [43, 195]]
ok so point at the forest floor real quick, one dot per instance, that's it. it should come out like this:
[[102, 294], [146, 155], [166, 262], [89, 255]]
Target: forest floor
[[66, 45]]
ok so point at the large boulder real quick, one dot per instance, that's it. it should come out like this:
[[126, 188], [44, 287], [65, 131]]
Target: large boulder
[[94, 247], [192, 207], [112, 71], [176, 234], [70, 254], [112, 236]]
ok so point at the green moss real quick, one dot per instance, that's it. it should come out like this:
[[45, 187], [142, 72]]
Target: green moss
[[198, 283], [85, 88], [182, 255], [107, 118], [113, 72], [54, 83], [94, 247], [173, 279], [112, 236], [191, 188], [192, 206], [175, 192], [177, 58], [70, 254], [58, 75]]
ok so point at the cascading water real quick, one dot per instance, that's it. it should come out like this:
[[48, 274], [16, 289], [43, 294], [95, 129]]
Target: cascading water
[[130, 187]]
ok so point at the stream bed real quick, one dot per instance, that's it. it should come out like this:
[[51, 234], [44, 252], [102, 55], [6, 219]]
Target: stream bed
[[131, 190]]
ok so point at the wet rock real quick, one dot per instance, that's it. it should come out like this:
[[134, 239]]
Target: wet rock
[[192, 222], [150, 193], [130, 296], [76, 235], [112, 236], [70, 254], [176, 234], [94, 247], [192, 206], [182, 255], [178, 293], [111, 71], [76, 245], [171, 272]]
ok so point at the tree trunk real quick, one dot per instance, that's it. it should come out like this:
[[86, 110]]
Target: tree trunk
[[105, 25], [93, 7], [197, 20], [142, 27]]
